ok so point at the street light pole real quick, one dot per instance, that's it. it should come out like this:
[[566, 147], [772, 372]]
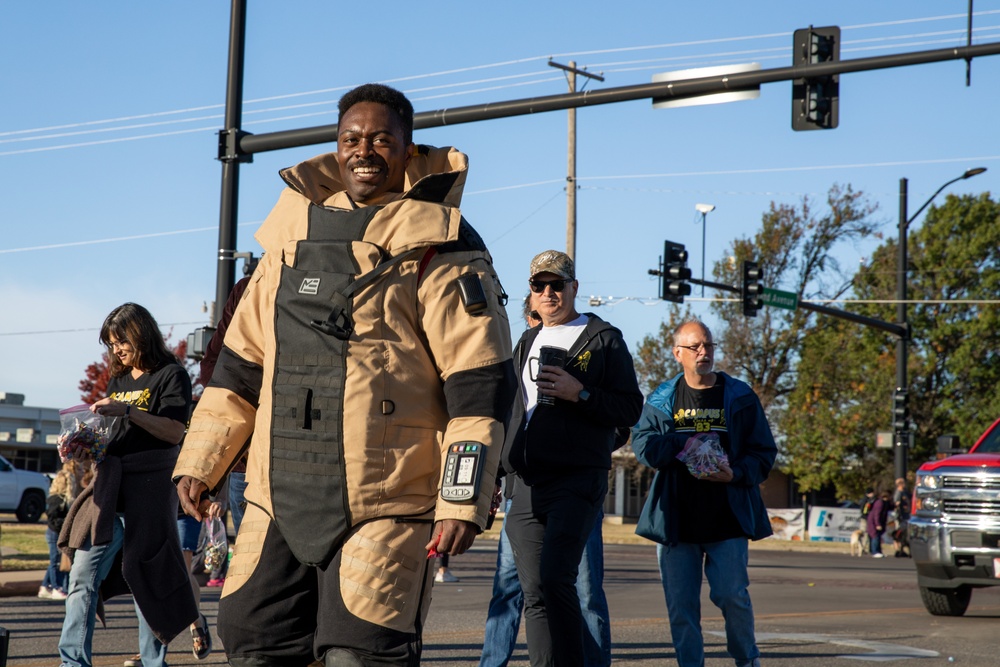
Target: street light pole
[[902, 436], [704, 209]]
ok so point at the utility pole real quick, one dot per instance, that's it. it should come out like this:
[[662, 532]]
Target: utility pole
[[571, 72]]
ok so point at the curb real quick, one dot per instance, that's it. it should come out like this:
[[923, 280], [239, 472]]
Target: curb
[[26, 584]]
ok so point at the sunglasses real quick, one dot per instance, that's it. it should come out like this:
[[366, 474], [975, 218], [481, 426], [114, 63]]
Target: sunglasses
[[538, 286]]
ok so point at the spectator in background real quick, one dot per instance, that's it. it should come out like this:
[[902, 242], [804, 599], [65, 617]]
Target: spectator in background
[[71, 479], [876, 522]]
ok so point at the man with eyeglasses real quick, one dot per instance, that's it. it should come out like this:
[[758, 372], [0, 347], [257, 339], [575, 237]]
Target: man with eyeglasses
[[702, 516], [558, 452]]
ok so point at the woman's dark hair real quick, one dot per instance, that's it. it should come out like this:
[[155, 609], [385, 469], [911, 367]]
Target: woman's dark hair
[[133, 323], [386, 96]]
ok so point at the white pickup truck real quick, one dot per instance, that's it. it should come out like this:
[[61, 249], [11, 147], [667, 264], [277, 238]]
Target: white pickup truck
[[22, 492]]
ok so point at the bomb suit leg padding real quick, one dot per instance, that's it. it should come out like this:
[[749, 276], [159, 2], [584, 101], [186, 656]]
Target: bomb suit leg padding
[[375, 596]]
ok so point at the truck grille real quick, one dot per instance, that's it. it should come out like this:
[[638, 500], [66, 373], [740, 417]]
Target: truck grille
[[982, 506], [970, 482]]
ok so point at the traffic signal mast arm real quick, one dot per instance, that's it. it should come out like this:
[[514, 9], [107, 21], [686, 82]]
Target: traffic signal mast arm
[[889, 327]]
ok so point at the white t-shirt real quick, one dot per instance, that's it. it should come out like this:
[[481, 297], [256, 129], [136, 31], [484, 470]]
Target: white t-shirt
[[563, 335]]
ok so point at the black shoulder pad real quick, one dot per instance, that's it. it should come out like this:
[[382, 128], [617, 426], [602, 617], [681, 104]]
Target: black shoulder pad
[[468, 239]]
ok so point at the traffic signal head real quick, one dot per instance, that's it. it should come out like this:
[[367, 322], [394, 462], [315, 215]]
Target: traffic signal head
[[673, 278], [750, 288], [900, 410], [816, 100]]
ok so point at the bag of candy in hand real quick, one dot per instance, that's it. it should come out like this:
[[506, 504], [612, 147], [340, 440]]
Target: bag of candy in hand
[[216, 549], [82, 432], [702, 454]]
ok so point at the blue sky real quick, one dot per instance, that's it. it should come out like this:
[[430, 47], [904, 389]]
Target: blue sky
[[110, 113]]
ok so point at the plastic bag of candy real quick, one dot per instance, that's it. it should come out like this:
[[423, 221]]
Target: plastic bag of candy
[[702, 454], [216, 549], [82, 433]]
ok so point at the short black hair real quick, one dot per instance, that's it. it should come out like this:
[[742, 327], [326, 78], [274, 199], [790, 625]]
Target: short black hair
[[384, 95]]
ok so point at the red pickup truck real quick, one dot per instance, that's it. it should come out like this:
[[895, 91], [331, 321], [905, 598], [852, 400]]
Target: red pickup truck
[[954, 530]]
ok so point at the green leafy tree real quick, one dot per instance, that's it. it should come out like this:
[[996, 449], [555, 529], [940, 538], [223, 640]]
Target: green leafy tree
[[953, 367]]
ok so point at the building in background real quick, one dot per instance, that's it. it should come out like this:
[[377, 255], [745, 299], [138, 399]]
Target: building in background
[[28, 434]]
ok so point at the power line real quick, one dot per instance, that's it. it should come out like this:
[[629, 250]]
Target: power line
[[646, 64], [726, 172]]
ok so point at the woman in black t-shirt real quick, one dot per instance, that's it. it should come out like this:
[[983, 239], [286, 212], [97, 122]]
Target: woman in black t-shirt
[[132, 505]]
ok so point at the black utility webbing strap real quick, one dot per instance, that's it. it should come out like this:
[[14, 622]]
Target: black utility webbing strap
[[339, 322]]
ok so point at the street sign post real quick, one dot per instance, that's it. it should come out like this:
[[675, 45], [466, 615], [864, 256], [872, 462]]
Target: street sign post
[[778, 299]]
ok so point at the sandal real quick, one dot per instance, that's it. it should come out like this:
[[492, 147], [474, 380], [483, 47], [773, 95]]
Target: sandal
[[201, 639]]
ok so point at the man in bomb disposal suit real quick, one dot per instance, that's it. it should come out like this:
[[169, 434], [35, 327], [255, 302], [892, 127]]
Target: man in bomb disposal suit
[[371, 344]]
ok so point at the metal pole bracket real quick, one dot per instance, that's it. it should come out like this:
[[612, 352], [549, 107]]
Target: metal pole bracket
[[229, 146]]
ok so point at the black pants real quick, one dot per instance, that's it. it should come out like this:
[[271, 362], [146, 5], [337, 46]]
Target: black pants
[[286, 614], [548, 526]]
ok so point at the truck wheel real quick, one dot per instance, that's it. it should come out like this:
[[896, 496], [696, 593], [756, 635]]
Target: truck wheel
[[31, 507], [946, 601]]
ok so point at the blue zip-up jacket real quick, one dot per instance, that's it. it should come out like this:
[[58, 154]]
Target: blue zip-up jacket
[[753, 450]]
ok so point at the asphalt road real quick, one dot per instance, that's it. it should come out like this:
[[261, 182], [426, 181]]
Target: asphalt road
[[812, 609]]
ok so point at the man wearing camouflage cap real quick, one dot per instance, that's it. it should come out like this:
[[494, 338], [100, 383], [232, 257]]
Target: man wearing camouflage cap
[[558, 452]]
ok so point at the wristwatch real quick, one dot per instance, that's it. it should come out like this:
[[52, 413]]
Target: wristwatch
[[584, 395]]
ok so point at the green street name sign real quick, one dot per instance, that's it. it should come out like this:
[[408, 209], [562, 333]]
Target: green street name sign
[[778, 299]]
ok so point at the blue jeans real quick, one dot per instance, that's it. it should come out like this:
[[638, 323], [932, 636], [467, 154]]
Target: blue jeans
[[875, 546], [725, 566], [504, 617], [91, 566], [54, 578], [237, 487], [593, 603]]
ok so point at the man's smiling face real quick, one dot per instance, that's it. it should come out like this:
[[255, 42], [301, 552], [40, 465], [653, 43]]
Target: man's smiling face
[[371, 151]]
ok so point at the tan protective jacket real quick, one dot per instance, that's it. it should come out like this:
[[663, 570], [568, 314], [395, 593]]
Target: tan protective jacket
[[417, 373]]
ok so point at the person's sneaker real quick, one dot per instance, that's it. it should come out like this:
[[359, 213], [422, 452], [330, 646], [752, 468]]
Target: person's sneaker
[[879, 555], [445, 577], [134, 661], [58, 594], [215, 583], [44, 593]]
